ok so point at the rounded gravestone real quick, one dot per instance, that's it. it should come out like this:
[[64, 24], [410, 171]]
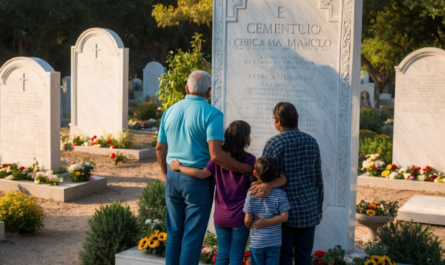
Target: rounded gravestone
[[29, 113], [152, 72], [99, 79]]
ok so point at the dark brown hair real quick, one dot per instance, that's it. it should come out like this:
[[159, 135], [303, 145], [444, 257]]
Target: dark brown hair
[[287, 114], [267, 169], [236, 138]]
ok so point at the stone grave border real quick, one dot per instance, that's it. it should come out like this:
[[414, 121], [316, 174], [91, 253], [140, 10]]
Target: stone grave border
[[138, 154], [133, 256], [64, 192], [399, 184], [2, 230]]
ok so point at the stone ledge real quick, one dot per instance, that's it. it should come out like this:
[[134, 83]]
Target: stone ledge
[[2, 230], [64, 192], [364, 180], [130, 153], [423, 209], [133, 256]]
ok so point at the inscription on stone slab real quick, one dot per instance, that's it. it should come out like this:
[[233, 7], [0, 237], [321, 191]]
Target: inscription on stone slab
[[29, 116], [267, 52], [419, 118], [99, 80]]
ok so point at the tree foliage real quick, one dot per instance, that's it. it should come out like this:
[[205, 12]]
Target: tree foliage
[[198, 11], [172, 84]]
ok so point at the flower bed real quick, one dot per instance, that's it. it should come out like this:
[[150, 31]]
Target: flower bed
[[124, 141], [16, 172]]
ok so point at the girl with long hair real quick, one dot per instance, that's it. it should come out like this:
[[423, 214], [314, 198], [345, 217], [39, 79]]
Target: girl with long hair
[[231, 191]]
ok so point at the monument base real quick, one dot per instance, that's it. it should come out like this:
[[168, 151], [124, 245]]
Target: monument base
[[64, 192], [135, 257], [130, 153], [399, 184], [423, 209]]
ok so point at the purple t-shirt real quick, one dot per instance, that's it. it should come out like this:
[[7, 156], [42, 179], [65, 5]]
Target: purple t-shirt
[[231, 190]]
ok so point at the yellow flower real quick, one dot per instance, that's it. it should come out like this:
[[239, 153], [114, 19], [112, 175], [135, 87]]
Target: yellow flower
[[389, 167], [370, 262], [77, 173], [142, 242], [370, 212], [375, 258], [163, 236], [156, 232], [385, 173], [153, 241], [384, 260]]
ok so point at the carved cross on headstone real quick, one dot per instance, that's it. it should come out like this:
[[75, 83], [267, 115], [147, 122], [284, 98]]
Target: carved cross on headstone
[[23, 79], [96, 49]]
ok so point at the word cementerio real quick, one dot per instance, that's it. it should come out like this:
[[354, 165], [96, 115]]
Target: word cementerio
[[281, 28]]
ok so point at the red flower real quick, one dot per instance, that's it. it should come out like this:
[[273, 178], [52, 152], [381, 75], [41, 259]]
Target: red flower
[[414, 169], [320, 253], [66, 136], [214, 257], [418, 168], [394, 166], [371, 207], [11, 165], [247, 254], [428, 167], [91, 174], [431, 180], [389, 204], [94, 137], [93, 143], [320, 261], [22, 168], [113, 156], [145, 124], [109, 141], [4, 165], [77, 137], [377, 204], [375, 168], [113, 146], [75, 144]]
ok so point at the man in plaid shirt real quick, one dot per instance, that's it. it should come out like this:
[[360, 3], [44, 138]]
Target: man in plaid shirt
[[298, 157]]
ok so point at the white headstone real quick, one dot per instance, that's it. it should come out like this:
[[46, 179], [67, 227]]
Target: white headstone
[[305, 52], [135, 83], [66, 95], [99, 72], [29, 113], [419, 112], [152, 72], [367, 96]]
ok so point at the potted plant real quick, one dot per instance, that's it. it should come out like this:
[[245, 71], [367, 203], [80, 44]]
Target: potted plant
[[374, 215]]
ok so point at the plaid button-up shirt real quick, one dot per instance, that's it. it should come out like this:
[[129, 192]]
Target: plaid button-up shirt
[[298, 157]]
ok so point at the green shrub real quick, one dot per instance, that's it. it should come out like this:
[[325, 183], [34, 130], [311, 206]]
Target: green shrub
[[145, 109], [370, 120], [113, 229], [181, 65], [372, 143], [411, 243], [152, 204], [21, 213]]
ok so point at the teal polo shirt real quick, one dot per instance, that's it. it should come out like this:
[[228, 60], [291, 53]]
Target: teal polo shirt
[[187, 126]]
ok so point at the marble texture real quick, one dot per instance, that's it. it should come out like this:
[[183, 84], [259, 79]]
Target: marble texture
[[133, 256], [64, 192], [29, 113], [152, 72], [367, 90], [296, 51], [419, 116], [99, 72], [423, 209], [399, 184]]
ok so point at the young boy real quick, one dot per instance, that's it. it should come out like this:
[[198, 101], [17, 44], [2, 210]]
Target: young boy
[[265, 215]]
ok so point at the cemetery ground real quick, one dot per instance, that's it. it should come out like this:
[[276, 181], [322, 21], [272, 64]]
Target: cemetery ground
[[61, 240]]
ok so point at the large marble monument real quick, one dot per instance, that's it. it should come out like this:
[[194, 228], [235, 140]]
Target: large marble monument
[[152, 72], [419, 111], [306, 52], [99, 80], [29, 113]]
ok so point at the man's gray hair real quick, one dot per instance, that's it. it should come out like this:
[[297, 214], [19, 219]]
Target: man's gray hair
[[199, 82]]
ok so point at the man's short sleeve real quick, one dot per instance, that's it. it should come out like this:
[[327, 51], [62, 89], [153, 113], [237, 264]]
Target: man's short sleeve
[[162, 137], [248, 204], [283, 203], [215, 127]]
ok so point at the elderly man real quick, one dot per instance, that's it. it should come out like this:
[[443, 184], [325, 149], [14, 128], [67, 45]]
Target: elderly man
[[191, 131]]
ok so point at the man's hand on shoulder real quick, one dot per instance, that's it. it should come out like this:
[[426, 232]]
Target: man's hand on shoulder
[[260, 190]]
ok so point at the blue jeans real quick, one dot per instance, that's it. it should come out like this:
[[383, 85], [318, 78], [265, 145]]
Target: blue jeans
[[297, 244], [231, 244], [189, 202], [265, 256]]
